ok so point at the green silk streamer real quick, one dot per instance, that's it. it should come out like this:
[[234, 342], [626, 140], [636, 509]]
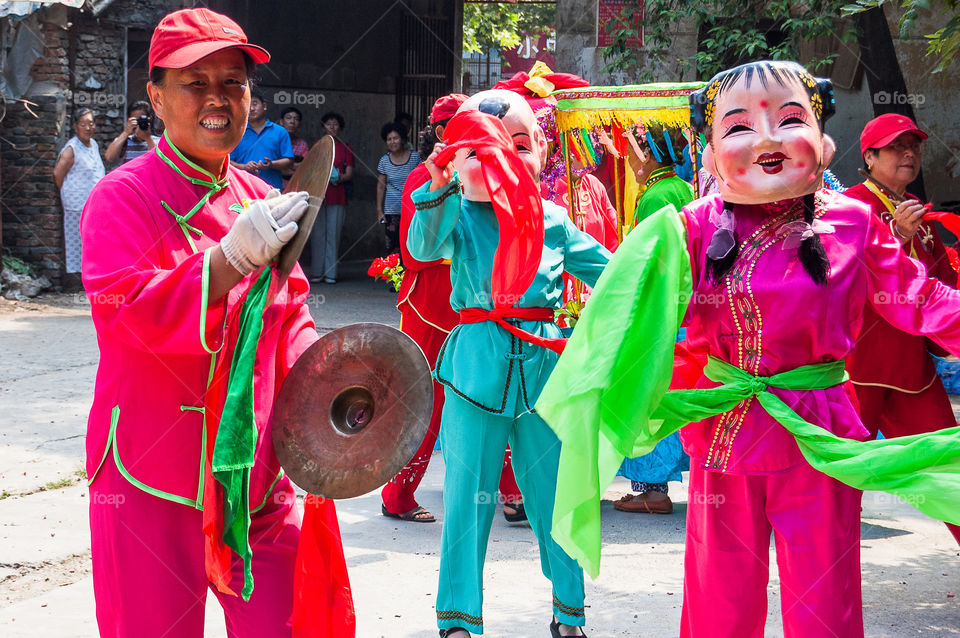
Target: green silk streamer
[[616, 366], [237, 433], [607, 398]]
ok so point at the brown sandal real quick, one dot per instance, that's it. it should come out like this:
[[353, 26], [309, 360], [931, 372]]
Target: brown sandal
[[411, 515], [644, 504]]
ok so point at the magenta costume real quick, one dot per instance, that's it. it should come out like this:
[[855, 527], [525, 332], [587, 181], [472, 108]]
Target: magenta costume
[[146, 271], [748, 476]]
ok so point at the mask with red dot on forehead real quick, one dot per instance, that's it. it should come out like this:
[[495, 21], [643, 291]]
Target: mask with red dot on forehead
[[763, 123]]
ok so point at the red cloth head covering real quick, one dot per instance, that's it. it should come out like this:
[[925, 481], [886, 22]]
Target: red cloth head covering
[[515, 198], [536, 89], [446, 107]]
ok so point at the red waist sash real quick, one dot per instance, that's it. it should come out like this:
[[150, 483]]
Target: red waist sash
[[500, 315]]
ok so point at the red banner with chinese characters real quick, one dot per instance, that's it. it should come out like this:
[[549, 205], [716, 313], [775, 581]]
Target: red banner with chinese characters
[[531, 49]]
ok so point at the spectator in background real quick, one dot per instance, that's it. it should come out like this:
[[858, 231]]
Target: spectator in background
[[265, 148], [76, 172], [392, 171], [290, 118], [895, 379], [406, 121], [325, 239], [137, 136]]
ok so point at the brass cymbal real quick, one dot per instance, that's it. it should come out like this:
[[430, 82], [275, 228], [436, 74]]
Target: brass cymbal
[[313, 176], [353, 410]]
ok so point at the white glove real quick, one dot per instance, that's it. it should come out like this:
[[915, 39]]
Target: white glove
[[263, 229]]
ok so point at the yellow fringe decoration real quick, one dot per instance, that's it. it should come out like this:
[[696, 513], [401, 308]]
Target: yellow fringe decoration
[[591, 118]]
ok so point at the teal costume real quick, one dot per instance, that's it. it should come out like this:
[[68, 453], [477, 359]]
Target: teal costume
[[493, 380]]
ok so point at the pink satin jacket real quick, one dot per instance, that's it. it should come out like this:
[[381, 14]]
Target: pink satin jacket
[[768, 316], [156, 332]]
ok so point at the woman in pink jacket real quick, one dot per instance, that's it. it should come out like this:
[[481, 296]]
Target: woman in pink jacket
[[175, 240]]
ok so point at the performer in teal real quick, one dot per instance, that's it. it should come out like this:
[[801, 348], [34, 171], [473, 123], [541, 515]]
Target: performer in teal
[[508, 249], [656, 156]]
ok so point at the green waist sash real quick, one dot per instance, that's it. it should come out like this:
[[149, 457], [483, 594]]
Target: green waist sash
[[922, 469]]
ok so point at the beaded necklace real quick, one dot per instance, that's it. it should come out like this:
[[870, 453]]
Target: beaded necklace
[[659, 174]]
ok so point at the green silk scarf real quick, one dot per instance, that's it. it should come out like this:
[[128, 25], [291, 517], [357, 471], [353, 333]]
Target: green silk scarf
[[607, 398], [236, 439]]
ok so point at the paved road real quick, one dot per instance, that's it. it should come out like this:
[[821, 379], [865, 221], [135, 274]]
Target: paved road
[[911, 566]]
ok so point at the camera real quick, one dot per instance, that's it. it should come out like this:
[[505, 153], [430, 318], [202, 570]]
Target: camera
[[143, 122]]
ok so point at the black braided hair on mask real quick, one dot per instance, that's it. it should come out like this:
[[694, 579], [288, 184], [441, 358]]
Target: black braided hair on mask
[[717, 269], [811, 252]]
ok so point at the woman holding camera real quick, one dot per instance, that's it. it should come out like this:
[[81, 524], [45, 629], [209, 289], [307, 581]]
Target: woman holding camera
[[136, 138]]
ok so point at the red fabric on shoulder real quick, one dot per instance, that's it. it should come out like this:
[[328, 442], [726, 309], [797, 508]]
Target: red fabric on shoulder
[[515, 198]]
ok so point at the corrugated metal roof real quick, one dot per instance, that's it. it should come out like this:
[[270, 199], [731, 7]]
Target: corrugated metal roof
[[19, 8]]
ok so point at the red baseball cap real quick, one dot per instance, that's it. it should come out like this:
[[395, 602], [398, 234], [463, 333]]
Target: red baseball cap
[[882, 130], [446, 107], [185, 36]]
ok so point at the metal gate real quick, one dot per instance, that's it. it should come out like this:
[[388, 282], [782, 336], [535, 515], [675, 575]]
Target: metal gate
[[430, 57]]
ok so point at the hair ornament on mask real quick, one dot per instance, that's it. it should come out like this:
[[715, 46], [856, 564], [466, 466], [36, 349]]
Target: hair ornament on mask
[[798, 231], [723, 239]]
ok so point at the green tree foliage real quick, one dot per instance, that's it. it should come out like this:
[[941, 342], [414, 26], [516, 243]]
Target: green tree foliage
[[730, 32], [944, 44], [500, 25]]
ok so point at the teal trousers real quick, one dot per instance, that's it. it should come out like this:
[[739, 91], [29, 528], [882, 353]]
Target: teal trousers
[[473, 443]]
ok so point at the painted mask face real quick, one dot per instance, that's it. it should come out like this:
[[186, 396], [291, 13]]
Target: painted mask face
[[766, 144], [521, 125]]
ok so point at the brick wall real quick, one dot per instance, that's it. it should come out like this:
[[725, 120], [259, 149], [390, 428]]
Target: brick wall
[[30, 203], [32, 215]]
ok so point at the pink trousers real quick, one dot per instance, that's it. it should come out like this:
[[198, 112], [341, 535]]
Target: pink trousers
[[148, 564], [815, 521]]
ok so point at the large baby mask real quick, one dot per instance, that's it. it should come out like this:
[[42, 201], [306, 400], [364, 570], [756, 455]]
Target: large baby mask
[[518, 119], [763, 123]]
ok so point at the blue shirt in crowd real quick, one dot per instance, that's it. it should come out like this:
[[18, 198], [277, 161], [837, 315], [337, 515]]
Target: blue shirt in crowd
[[272, 141]]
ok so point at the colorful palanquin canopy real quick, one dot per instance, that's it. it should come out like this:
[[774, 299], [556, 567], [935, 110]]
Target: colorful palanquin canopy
[[665, 103]]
